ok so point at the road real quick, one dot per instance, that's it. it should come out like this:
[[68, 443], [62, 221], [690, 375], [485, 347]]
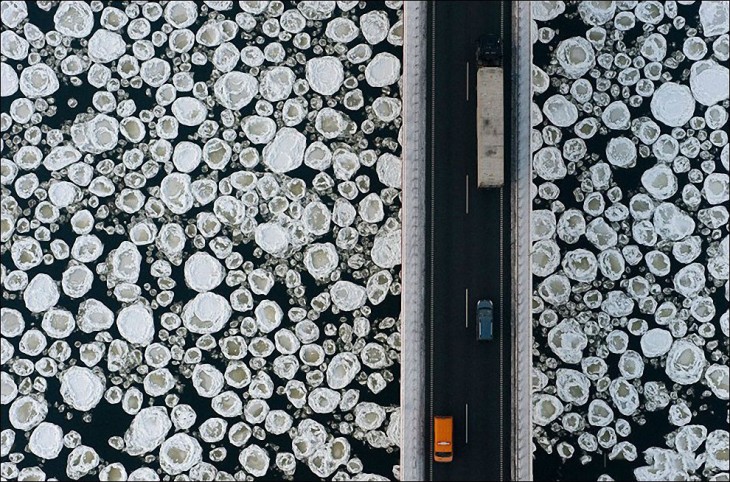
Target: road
[[465, 259]]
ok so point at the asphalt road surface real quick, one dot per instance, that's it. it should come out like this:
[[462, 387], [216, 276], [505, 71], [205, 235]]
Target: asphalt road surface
[[466, 261]]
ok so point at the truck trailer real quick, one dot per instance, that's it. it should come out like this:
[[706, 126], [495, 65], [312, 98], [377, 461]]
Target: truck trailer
[[490, 112]]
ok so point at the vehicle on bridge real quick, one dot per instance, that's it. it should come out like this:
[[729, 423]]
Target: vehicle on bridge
[[485, 318], [443, 438], [490, 112]]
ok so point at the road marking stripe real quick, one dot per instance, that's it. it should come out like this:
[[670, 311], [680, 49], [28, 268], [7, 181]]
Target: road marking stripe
[[501, 337], [466, 424], [466, 307], [501, 296], [467, 194], [467, 81], [501, 21], [433, 174]]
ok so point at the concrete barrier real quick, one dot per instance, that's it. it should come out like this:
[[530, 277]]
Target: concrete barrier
[[521, 246], [413, 218]]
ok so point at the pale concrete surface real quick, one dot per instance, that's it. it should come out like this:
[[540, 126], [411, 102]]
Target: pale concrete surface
[[521, 246], [413, 320]]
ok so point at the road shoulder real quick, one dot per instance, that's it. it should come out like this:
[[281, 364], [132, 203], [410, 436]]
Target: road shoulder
[[521, 273], [413, 216]]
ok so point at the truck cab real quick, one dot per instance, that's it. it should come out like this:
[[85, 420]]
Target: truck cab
[[489, 51]]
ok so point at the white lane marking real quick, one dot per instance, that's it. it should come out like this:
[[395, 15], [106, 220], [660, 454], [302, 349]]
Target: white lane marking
[[501, 333], [467, 424], [501, 296], [467, 194], [466, 307], [433, 236], [501, 20], [467, 81]]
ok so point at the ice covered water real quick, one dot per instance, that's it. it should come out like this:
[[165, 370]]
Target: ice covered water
[[46, 440], [206, 313], [548, 10], [709, 82], [624, 209], [286, 151], [389, 170], [277, 83], [672, 223], [325, 74], [41, 294], [568, 341], [105, 46], [74, 19], [718, 379], [342, 370], [383, 70], [576, 56], [189, 111], [81, 388], [386, 251], [660, 182], [546, 408], [203, 272], [38, 80], [375, 26], [147, 430], [135, 323], [616, 116], [621, 152], [255, 460], [272, 238], [235, 90], [179, 226], [321, 259], [560, 111], [580, 265], [714, 19], [347, 296], [685, 362], [179, 454], [673, 104]]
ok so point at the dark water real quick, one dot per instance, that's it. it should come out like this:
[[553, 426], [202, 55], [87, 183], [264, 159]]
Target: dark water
[[651, 428], [108, 420]]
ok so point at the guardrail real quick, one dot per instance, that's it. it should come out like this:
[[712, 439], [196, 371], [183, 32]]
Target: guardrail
[[413, 218], [521, 248]]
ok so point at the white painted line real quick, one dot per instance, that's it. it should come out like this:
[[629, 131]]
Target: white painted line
[[467, 81], [467, 194], [466, 307], [501, 20], [433, 237], [500, 333], [466, 424]]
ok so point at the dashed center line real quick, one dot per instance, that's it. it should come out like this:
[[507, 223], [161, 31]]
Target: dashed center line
[[466, 307], [466, 423], [467, 194], [467, 81]]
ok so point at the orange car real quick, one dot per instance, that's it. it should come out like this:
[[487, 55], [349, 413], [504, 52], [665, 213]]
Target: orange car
[[443, 434]]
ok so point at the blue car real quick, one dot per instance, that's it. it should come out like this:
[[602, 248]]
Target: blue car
[[485, 320]]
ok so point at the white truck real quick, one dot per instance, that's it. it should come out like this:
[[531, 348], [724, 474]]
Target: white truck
[[490, 113]]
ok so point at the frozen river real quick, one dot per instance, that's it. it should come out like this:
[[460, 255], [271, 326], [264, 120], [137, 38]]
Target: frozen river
[[200, 240], [630, 240]]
